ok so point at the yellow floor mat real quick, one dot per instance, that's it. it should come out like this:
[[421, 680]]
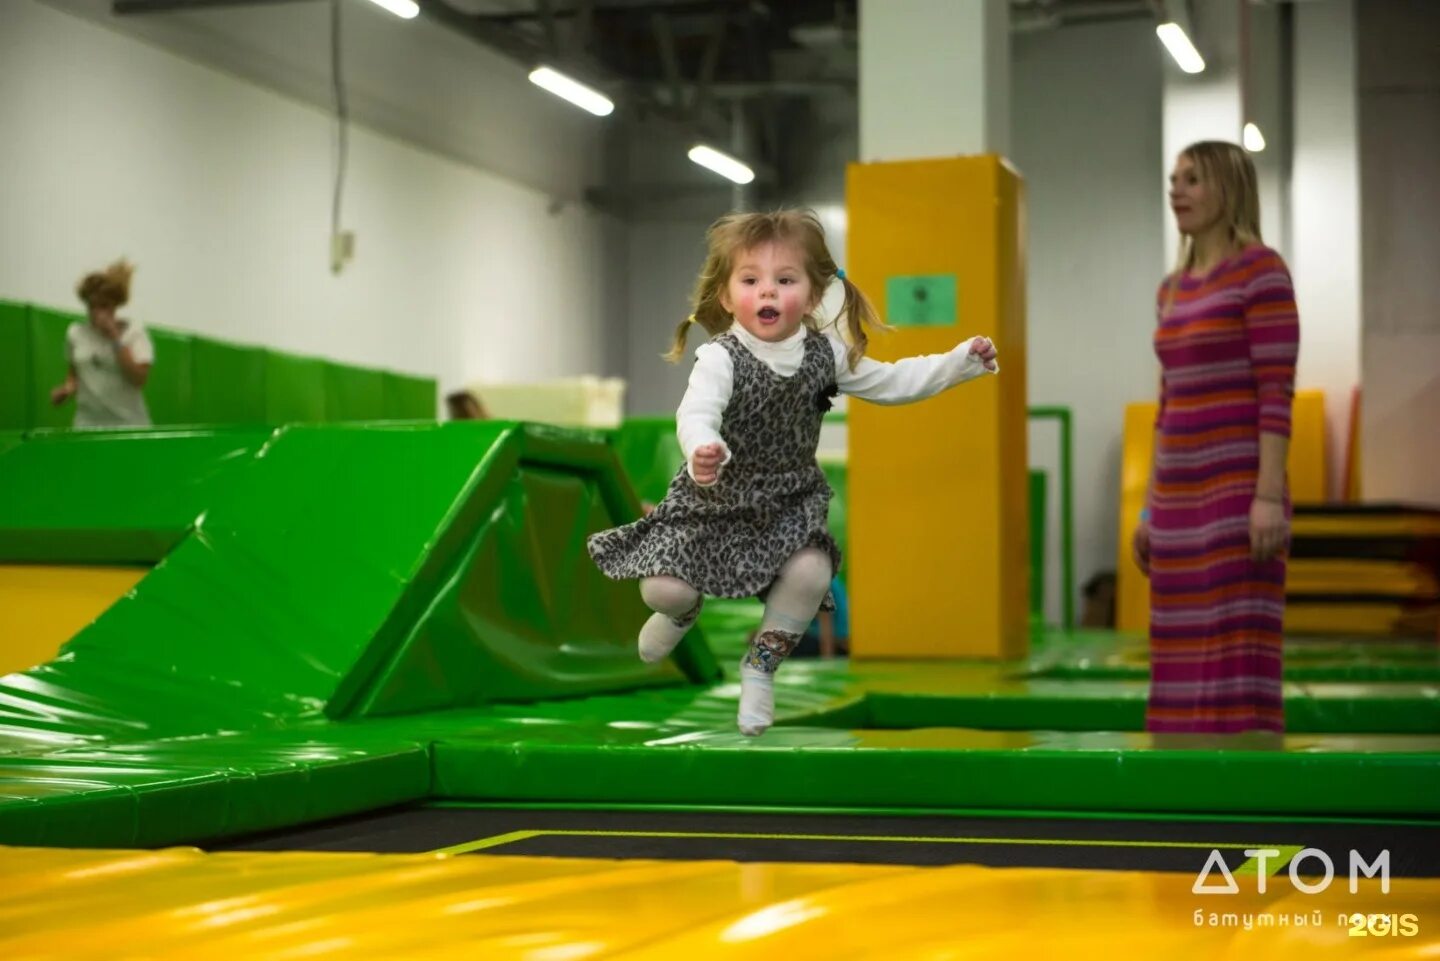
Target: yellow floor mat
[[43, 606], [182, 903]]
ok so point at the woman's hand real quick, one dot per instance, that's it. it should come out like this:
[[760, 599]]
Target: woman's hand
[[1140, 547], [1268, 528]]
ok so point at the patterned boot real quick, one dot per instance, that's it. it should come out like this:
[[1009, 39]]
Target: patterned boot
[[757, 679], [662, 632]]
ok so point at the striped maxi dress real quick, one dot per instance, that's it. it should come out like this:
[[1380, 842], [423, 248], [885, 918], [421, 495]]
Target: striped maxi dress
[[1227, 343]]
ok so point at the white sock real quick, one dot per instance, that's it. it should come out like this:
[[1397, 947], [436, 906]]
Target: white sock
[[790, 606], [659, 637], [676, 606], [757, 701]]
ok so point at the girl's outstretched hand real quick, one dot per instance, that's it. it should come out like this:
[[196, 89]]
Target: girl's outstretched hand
[[705, 463], [982, 347]]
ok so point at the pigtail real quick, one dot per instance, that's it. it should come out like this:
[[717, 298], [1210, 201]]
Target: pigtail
[[682, 333], [705, 308], [860, 317]]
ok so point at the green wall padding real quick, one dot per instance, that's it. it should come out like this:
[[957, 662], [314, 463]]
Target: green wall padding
[[354, 394], [16, 385], [227, 383], [196, 380], [409, 398], [168, 389], [294, 389], [48, 366]]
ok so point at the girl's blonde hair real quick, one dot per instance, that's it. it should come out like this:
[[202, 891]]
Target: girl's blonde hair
[[736, 233], [107, 288]]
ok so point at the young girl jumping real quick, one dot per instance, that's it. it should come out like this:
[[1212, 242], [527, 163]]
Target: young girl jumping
[[747, 514]]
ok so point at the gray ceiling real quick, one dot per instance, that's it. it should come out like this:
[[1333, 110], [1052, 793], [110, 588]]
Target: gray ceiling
[[455, 77]]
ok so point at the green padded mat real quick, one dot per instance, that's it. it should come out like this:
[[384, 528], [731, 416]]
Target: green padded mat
[[113, 496], [1094, 655], [341, 618]]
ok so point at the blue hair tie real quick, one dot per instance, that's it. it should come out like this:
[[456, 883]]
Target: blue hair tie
[[839, 273]]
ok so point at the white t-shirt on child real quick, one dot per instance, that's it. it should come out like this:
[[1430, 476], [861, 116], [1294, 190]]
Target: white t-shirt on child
[[103, 397]]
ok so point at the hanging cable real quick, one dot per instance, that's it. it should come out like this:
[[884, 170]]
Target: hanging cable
[[338, 254]]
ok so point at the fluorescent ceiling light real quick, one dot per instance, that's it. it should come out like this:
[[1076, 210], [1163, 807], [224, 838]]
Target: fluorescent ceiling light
[[572, 90], [405, 9], [1253, 138], [723, 164], [1180, 47]]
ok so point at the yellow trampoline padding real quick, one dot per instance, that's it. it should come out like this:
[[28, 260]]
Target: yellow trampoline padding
[[181, 903], [43, 606], [1302, 618], [1394, 578], [1366, 526]]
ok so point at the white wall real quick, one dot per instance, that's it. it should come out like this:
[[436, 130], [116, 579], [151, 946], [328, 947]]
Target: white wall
[[1325, 212], [665, 256], [1399, 143], [220, 192], [1087, 134]]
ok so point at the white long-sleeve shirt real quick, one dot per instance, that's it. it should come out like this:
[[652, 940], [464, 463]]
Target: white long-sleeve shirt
[[697, 421]]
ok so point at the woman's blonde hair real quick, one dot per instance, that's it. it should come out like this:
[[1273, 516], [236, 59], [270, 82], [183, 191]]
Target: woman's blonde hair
[[736, 233], [1228, 169], [107, 288]]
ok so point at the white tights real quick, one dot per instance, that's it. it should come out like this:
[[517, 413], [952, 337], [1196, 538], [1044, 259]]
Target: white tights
[[790, 606]]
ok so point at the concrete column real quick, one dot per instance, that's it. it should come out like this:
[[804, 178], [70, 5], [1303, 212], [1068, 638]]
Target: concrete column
[[934, 78], [1325, 204]]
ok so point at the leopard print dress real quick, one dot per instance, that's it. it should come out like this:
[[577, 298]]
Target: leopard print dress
[[731, 539]]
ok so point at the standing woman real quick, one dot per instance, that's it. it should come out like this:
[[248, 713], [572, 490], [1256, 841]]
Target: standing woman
[[109, 358], [1215, 530]]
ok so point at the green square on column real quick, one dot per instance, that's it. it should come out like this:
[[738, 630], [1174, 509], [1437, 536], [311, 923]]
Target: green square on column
[[921, 300]]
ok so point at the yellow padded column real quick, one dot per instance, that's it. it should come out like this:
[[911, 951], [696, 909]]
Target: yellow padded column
[[937, 514]]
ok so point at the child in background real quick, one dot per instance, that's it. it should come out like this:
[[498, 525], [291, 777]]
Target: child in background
[[108, 358], [747, 513]]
